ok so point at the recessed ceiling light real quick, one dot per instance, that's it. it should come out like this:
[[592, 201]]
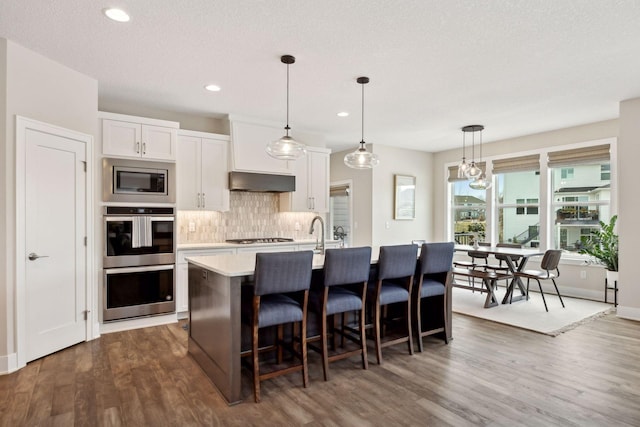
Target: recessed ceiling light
[[343, 114], [212, 88], [118, 15]]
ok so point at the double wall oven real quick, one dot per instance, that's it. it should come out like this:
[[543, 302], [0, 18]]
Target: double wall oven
[[139, 261]]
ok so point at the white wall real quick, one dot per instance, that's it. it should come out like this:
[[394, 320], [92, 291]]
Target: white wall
[[187, 121], [396, 161], [373, 196], [629, 202], [37, 88]]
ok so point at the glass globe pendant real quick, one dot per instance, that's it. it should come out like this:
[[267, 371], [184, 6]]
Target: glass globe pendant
[[286, 148], [361, 158], [480, 183]]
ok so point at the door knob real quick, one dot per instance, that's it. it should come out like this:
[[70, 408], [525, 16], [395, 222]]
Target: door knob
[[34, 256]]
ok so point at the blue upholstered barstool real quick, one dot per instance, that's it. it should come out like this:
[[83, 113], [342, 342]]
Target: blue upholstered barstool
[[433, 279], [280, 296], [396, 267], [346, 273]]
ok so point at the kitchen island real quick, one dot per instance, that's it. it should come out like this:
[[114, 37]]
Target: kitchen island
[[215, 334], [214, 316]]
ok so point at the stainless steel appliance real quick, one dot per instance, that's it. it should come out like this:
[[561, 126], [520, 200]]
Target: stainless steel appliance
[[122, 224], [139, 257], [127, 180]]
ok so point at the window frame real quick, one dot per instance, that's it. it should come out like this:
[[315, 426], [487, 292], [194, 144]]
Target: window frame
[[546, 200]]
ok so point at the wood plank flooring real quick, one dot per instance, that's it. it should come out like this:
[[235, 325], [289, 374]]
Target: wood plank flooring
[[490, 374]]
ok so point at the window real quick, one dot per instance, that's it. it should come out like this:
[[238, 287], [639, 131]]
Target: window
[[517, 205], [566, 173], [469, 208], [576, 195], [578, 207]]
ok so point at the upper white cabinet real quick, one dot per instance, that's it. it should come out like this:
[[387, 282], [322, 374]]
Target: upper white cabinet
[[138, 137], [248, 141], [202, 171], [312, 183]]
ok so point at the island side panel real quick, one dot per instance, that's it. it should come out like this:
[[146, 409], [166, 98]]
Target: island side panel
[[214, 328]]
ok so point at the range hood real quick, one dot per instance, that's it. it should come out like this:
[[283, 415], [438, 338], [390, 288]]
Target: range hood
[[261, 182]]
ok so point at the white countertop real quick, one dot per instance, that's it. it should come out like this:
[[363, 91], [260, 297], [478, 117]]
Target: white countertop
[[237, 265], [222, 245], [244, 264]]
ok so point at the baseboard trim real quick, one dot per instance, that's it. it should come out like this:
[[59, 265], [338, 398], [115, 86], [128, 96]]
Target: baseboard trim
[[143, 322], [8, 363], [631, 313]]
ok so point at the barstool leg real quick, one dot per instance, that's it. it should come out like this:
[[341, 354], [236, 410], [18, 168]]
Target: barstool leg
[[376, 331]]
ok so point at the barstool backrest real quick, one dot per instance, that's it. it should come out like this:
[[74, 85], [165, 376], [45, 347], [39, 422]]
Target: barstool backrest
[[397, 261], [281, 272], [436, 257], [346, 266]]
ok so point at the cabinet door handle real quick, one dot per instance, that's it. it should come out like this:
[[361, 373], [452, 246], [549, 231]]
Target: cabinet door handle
[[144, 148], [313, 203], [198, 200], [138, 147], [203, 201]]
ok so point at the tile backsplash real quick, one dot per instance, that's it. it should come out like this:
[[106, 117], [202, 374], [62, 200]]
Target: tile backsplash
[[250, 215]]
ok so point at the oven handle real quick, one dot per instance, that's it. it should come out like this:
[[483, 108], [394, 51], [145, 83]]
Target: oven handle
[[130, 218], [123, 270]]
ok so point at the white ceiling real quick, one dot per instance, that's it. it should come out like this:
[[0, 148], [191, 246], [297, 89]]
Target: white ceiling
[[518, 66]]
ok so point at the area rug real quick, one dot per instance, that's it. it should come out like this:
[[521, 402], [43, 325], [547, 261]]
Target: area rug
[[530, 314]]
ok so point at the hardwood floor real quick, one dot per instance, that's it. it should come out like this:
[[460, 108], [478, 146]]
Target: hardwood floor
[[490, 374]]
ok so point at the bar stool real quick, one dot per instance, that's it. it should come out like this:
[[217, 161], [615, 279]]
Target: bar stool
[[346, 273], [396, 267], [433, 278], [280, 296]]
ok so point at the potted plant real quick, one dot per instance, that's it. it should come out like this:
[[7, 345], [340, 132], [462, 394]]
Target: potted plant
[[602, 246]]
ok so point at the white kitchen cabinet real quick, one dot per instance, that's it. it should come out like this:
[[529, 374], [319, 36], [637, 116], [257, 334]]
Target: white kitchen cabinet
[[312, 183], [182, 274], [137, 137], [202, 171]]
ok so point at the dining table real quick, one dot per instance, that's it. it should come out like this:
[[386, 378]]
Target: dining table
[[510, 254]]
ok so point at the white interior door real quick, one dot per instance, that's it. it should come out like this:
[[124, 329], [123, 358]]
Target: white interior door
[[54, 241]]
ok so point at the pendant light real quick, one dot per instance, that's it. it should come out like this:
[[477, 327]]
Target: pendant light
[[463, 166], [286, 148], [481, 182], [473, 171], [361, 158]]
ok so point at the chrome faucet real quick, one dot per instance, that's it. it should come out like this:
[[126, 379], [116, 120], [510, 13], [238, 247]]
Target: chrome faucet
[[319, 244]]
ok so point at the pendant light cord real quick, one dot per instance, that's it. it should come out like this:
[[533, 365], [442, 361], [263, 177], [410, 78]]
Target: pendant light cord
[[287, 126], [362, 121]]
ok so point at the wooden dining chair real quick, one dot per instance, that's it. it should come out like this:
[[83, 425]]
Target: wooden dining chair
[[280, 296], [393, 284], [344, 290], [473, 264], [433, 279], [549, 262], [502, 266]]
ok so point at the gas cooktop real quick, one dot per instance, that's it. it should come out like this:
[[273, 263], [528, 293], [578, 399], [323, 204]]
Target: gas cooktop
[[260, 240]]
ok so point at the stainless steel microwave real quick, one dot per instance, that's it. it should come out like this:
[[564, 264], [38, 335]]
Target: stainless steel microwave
[[138, 181]]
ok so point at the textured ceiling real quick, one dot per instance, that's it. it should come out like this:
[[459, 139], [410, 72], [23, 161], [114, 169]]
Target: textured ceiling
[[517, 67]]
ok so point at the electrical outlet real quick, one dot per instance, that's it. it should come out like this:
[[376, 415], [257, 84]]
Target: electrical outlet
[[192, 227], [387, 225], [297, 226], [583, 274]]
